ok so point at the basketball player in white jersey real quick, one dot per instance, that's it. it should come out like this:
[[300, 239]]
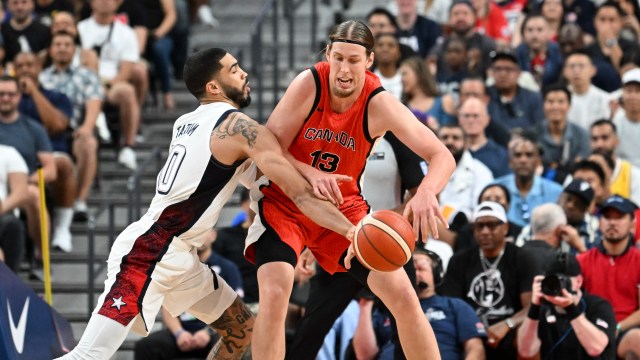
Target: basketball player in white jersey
[[153, 262]]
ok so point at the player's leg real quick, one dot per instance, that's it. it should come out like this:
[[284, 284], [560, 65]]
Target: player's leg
[[209, 298], [101, 339], [397, 293], [275, 261], [328, 298]]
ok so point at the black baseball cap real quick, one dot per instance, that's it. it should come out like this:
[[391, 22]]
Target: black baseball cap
[[619, 203], [462, 2], [581, 189], [503, 55]]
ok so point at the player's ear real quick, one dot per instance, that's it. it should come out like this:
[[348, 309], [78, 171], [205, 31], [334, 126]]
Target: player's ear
[[370, 60], [213, 88]]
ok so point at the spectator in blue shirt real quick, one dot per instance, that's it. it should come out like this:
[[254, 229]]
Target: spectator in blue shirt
[[527, 190], [458, 329], [511, 105]]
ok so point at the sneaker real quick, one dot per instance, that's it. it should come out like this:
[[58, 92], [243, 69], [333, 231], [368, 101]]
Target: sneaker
[[206, 16], [62, 239], [127, 157], [80, 211]]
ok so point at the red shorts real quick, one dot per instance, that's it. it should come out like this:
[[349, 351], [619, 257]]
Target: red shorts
[[297, 230]]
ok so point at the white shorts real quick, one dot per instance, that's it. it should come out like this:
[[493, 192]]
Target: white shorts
[[147, 269]]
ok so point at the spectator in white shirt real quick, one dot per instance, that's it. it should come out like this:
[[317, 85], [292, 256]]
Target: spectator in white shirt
[[117, 49], [588, 102], [13, 194], [387, 55], [470, 177], [627, 119]]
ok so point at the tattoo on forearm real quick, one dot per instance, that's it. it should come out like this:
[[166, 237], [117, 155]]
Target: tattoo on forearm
[[235, 327], [241, 125]]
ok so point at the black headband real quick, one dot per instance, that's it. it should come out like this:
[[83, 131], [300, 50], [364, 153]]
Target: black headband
[[349, 41]]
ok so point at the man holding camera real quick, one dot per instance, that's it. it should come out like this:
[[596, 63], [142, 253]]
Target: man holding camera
[[564, 323], [612, 271]]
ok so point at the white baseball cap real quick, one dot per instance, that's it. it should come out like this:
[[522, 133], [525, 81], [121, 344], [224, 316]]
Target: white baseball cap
[[631, 76], [490, 208]]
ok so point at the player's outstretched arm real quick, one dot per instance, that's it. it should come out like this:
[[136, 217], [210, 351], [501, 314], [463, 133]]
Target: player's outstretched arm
[[241, 137], [388, 114]]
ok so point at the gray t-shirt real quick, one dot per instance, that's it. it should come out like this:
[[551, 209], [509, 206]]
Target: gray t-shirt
[[28, 137], [629, 134]]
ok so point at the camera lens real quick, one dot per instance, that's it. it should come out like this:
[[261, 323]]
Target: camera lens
[[551, 285]]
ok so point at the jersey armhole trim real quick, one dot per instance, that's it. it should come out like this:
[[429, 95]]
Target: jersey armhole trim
[[316, 101], [365, 122]]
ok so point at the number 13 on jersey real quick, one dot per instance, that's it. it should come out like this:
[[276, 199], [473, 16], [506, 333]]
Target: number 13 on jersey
[[325, 161]]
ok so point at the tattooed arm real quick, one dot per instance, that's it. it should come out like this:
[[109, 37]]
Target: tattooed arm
[[239, 137], [235, 327]]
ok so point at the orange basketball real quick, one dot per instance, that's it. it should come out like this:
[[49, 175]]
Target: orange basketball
[[384, 241]]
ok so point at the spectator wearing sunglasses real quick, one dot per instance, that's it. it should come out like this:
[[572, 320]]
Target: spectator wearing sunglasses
[[493, 277], [527, 190]]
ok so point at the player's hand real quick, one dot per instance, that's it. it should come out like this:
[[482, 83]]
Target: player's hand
[[350, 255], [425, 212], [305, 269], [185, 341], [201, 338], [536, 290], [325, 185]]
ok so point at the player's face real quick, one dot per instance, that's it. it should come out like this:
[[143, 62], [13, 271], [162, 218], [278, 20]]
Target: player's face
[[234, 82], [9, 97], [349, 63]]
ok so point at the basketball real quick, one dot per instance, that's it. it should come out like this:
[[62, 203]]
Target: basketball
[[384, 241]]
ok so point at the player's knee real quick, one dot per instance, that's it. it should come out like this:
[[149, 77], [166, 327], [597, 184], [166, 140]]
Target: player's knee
[[276, 294], [64, 166]]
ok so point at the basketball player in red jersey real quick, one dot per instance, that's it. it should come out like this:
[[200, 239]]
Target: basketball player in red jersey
[[327, 123]]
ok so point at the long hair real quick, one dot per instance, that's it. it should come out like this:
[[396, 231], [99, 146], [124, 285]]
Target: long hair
[[355, 32], [426, 82]]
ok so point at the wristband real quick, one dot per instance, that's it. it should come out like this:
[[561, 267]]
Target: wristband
[[178, 333], [534, 312], [572, 311]]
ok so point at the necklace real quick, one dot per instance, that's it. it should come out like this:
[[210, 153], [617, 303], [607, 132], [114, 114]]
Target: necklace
[[491, 269]]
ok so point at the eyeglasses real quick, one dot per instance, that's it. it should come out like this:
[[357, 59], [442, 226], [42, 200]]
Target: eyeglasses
[[491, 225], [7, 94], [526, 213]]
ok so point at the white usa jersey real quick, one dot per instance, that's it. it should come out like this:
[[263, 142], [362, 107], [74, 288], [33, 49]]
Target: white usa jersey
[[193, 187]]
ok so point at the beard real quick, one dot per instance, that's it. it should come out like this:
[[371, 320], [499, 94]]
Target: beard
[[604, 152], [342, 93], [457, 153], [237, 95]]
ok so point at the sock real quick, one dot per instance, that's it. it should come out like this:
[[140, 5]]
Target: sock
[[62, 217], [80, 205]]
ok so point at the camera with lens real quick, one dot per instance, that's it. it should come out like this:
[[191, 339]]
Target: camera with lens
[[552, 285]]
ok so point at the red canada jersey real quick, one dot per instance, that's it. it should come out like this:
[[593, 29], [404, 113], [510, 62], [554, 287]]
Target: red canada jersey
[[337, 143]]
